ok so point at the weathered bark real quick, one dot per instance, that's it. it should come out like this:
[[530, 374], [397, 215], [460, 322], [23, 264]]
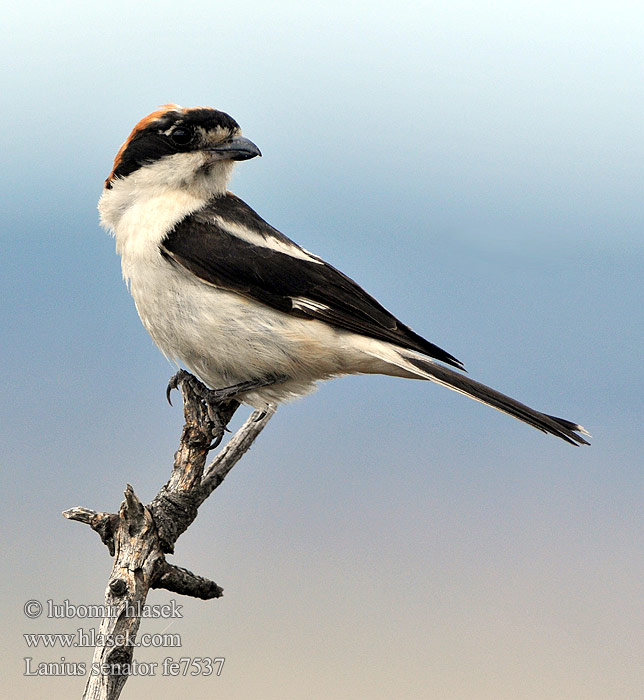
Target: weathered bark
[[139, 537]]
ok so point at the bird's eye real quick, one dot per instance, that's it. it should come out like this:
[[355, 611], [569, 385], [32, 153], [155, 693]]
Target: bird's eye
[[181, 136]]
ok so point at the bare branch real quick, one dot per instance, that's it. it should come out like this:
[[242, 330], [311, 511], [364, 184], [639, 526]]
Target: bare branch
[[235, 449], [139, 536], [83, 515], [179, 580], [102, 523], [138, 557]]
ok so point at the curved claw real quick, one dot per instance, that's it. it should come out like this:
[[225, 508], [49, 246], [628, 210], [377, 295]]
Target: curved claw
[[215, 443], [173, 384]]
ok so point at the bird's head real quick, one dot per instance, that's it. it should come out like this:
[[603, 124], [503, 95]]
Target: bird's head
[[177, 147]]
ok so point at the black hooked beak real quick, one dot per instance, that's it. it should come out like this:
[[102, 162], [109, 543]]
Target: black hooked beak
[[236, 148]]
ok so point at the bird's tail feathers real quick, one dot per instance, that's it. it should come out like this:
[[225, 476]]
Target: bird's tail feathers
[[424, 368]]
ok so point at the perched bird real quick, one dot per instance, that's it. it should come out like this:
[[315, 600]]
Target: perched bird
[[256, 317]]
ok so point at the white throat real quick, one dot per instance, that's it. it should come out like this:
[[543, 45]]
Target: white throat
[[142, 207]]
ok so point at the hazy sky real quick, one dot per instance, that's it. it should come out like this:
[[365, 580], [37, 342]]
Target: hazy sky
[[477, 167]]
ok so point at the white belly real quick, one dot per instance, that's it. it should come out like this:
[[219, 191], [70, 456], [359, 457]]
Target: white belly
[[221, 336], [224, 338]]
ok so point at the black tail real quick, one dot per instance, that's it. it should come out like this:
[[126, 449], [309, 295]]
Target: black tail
[[564, 429]]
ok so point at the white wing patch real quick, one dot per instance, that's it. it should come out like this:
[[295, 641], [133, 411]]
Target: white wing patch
[[304, 304], [255, 238]]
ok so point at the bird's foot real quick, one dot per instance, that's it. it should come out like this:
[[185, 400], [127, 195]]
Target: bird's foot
[[219, 407], [220, 404]]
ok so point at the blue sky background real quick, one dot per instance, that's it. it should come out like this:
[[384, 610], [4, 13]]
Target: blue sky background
[[478, 168]]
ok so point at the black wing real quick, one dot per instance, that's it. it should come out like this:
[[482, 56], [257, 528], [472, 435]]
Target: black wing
[[284, 277]]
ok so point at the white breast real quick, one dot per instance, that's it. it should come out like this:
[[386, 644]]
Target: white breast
[[222, 337]]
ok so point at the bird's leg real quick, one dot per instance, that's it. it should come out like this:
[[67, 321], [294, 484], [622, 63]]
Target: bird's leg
[[221, 404]]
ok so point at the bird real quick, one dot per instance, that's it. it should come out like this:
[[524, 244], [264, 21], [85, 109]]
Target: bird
[[254, 317]]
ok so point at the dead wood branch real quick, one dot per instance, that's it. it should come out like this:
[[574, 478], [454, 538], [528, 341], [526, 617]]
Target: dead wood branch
[[139, 536]]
